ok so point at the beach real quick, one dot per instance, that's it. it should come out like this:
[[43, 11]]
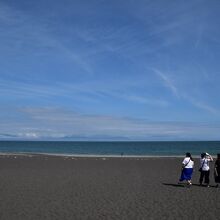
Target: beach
[[61, 187]]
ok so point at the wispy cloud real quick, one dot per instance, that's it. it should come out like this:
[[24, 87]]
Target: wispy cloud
[[88, 91], [167, 82], [144, 100], [184, 94], [50, 122], [38, 32], [202, 105]]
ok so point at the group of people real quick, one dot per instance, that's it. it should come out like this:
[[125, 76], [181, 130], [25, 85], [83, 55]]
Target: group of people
[[188, 165]]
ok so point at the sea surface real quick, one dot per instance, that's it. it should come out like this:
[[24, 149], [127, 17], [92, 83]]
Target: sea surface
[[116, 148]]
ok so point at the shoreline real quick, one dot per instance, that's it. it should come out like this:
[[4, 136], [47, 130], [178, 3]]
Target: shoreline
[[30, 154]]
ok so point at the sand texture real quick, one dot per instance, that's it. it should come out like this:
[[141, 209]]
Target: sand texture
[[48, 187]]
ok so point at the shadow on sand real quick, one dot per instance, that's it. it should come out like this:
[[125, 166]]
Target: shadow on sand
[[175, 185], [185, 185]]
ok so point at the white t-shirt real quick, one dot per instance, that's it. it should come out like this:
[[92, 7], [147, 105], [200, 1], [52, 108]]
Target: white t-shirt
[[204, 163], [189, 162]]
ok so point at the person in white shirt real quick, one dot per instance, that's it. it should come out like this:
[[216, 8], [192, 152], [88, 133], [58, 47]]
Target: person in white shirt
[[187, 169], [204, 168]]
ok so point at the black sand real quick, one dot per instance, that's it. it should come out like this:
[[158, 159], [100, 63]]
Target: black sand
[[47, 187]]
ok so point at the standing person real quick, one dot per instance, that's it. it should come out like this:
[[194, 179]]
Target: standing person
[[204, 168], [187, 169], [217, 170]]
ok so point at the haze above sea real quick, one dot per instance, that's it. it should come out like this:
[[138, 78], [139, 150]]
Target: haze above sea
[[111, 148]]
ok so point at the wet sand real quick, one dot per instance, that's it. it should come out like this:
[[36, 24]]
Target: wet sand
[[50, 187]]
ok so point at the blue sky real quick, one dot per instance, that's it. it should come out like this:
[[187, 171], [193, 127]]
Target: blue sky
[[110, 70]]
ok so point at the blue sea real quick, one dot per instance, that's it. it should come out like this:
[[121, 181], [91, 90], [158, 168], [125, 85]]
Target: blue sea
[[116, 148]]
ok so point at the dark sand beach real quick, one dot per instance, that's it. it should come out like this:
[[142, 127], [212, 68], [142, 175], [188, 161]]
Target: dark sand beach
[[50, 187]]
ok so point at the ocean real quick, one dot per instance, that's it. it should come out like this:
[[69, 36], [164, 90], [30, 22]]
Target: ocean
[[115, 148]]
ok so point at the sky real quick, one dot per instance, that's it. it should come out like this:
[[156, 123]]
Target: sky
[[109, 70]]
